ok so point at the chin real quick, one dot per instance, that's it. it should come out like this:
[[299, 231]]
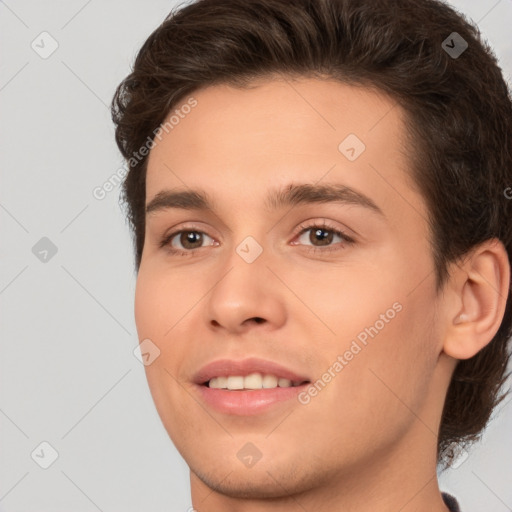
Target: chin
[[251, 483]]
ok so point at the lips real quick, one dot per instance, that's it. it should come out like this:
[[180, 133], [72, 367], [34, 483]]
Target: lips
[[248, 402], [230, 367]]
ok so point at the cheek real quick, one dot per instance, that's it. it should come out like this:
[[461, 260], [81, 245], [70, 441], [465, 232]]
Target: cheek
[[386, 336], [158, 307], [161, 307], [370, 400], [144, 301], [393, 371], [157, 303]]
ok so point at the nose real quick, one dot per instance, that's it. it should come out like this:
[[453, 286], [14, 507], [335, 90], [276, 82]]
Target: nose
[[247, 295]]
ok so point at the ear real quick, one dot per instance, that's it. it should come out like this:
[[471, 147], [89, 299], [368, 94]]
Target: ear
[[476, 297]]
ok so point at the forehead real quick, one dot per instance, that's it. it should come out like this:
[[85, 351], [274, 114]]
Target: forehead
[[237, 143]]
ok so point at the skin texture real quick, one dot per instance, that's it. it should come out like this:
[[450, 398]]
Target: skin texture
[[367, 441]]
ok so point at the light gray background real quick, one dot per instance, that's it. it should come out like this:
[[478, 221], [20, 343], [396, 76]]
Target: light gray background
[[68, 375]]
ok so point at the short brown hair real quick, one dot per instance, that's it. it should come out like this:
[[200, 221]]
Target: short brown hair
[[458, 108]]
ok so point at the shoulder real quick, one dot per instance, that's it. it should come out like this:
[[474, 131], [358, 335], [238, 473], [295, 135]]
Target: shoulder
[[451, 502]]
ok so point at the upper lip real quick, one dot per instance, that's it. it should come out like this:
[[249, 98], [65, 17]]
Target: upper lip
[[225, 367]]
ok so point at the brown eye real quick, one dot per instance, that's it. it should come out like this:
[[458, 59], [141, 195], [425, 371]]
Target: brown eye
[[190, 239], [322, 236], [185, 241]]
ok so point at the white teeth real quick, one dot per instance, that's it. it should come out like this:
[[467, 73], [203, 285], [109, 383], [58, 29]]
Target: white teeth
[[252, 381], [284, 383], [235, 383], [219, 382], [269, 381], [214, 383]]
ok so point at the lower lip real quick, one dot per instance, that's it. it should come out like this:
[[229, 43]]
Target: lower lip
[[247, 402]]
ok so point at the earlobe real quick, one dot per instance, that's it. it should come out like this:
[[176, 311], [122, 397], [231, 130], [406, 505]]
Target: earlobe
[[482, 284]]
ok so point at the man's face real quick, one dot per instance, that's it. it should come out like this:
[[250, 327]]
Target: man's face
[[253, 279]]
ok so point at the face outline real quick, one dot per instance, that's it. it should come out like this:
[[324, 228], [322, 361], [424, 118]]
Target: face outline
[[237, 145]]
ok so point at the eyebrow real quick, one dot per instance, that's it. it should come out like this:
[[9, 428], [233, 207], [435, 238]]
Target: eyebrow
[[291, 195]]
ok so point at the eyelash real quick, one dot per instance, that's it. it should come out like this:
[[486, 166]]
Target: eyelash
[[166, 240]]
